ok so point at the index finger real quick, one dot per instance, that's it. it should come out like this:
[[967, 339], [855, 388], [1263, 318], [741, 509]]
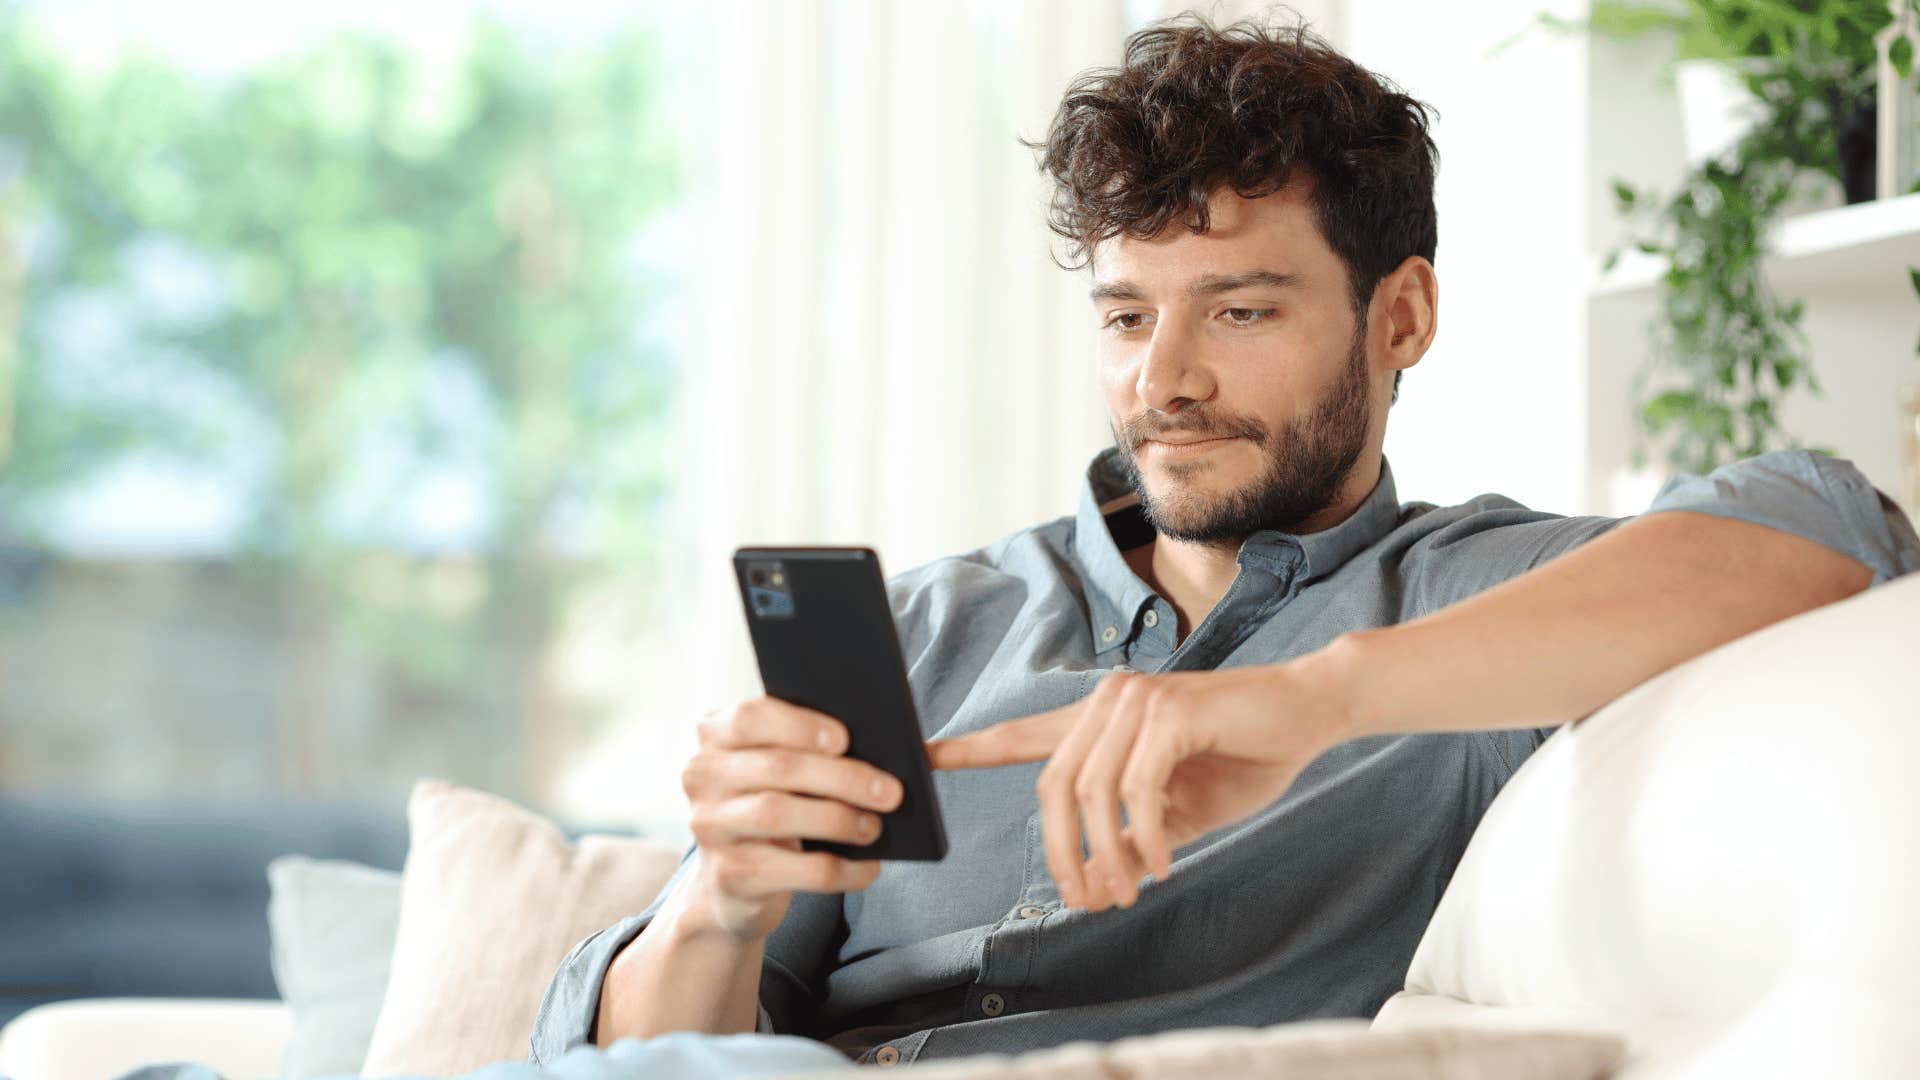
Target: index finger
[[1010, 742], [771, 722]]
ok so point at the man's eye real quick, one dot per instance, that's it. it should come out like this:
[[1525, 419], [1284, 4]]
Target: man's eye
[[1121, 321], [1240, 316]]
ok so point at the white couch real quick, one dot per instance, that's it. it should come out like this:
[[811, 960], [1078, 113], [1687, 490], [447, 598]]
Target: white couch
[[1722, 866], [99, 1038]]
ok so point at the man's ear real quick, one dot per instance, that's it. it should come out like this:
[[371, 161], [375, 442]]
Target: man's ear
[[1410, 299]]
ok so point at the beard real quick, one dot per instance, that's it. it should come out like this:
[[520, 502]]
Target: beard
[[1305, 464]]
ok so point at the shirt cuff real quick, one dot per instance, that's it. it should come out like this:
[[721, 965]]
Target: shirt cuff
[[571, 1006], [1823, 499], [572, 1002]]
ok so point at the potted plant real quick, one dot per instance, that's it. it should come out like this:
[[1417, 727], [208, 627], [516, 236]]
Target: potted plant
[[1726, 350]]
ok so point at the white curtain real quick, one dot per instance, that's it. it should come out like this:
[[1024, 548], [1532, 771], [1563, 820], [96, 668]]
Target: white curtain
[[877, 348]]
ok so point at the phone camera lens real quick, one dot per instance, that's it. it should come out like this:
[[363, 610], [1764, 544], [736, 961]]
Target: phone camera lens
[[758, 578]]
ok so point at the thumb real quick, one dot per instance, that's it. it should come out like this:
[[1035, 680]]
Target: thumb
[[1010, 742]]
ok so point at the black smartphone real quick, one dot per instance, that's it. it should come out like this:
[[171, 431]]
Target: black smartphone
[[823, 633]]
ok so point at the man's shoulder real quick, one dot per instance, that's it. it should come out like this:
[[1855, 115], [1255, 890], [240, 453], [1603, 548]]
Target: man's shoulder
[[1486, 511]]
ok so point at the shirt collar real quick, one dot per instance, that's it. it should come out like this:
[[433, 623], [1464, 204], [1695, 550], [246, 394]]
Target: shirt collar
[[1110, 521]]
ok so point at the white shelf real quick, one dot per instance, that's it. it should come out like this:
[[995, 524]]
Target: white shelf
[[1844, 249]]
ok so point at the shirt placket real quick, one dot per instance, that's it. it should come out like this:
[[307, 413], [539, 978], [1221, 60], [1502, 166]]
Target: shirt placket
[[1009, 951], [1255, 593]]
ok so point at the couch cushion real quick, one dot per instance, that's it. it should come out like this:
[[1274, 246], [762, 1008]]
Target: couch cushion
[[492, 898], [1725, 858], [91, 1040]]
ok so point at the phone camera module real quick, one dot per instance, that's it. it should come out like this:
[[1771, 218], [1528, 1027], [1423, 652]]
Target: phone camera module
[[768, 593]]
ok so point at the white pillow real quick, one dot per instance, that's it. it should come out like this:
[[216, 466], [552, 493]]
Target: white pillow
[[333, 924]]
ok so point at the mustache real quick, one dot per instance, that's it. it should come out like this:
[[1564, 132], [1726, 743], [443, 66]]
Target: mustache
[[1138, 429]]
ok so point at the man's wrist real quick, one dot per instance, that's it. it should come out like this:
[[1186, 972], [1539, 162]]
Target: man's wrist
[[692, 917]]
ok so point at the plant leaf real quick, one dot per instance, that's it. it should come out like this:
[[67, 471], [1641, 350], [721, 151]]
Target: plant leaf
[[1625, 20], [1901, 55], [1669, 406]]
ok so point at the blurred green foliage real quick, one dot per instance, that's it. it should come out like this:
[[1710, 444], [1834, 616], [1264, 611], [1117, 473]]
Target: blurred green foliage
[[404, 265], [1837, 35]]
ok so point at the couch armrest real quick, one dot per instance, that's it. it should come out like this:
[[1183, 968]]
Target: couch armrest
[[96, 1038]]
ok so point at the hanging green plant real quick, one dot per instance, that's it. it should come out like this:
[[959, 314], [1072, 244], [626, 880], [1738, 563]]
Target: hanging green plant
[[1913, 273], [1725, 349]]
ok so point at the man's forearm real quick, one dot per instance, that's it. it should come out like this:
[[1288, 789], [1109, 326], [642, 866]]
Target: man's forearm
[[1557, 643], [680, 974]]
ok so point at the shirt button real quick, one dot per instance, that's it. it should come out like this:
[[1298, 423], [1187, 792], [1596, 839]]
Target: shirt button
[[1032, 912], [1152, 618], [887, 1055], [1109, 634], [993, 1004]]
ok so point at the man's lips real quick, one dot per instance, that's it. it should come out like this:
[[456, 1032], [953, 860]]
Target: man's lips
[[1183, 448], [1189, 440]]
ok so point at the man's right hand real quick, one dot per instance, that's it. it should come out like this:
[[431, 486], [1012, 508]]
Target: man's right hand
[[768, 775]]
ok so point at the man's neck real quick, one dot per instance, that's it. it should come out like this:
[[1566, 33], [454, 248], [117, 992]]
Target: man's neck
[[1194, 576]]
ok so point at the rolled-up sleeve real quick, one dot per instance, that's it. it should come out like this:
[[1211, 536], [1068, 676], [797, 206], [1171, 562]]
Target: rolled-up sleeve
[[797, 955], [572, 1002], [1813, 496]]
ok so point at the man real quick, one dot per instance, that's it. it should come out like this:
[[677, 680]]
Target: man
[[1212, 746]]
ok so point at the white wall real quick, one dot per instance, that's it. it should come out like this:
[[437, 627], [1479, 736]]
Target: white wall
[[1497, 403]]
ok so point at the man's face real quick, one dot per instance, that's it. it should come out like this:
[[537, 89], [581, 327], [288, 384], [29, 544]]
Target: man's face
[[1235, 369]]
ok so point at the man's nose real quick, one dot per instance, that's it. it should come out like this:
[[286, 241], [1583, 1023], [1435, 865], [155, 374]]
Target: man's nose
[[1170, 372]]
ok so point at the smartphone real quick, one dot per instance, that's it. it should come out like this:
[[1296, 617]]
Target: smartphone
[[823, 634]]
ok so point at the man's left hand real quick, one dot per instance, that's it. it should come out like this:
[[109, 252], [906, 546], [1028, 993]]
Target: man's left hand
[[1184, 753]]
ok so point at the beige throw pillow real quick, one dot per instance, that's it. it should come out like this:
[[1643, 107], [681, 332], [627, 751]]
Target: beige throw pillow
[[1305, 1050], [492, 898]]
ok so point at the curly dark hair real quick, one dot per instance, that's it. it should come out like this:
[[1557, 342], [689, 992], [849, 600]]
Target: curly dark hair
[[1194, 107]]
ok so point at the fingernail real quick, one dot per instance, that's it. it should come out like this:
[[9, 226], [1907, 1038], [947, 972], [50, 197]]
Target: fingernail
[[870, 826], [824, 739], [879, 789]]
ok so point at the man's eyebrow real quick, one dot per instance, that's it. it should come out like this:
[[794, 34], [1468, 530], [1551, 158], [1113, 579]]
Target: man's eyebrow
[[1210, 285], [1214, 284], [1113, 290]]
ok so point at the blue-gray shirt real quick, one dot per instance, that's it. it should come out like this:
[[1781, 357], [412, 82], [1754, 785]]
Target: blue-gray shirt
[[1310, 908]]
